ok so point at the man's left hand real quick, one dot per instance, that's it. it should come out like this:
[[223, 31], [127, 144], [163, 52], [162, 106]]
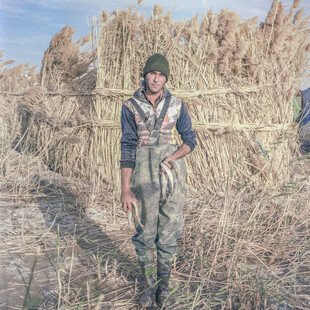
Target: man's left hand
[[167, 162]]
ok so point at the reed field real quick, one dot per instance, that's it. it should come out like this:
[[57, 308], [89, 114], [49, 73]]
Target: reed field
[[65, 242]]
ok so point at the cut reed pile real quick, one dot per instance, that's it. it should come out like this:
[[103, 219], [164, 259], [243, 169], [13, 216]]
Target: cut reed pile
[[13, 80], [56, 115], [248, 249], [15, 170], [237, 78]]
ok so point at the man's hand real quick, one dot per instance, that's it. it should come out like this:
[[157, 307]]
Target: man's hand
[[167, 162], [127, 198], [182, 151]]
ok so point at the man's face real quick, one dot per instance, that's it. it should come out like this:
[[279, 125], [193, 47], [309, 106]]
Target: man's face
[[155, 82]]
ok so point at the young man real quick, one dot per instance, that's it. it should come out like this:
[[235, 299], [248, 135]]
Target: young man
[[146, 145]]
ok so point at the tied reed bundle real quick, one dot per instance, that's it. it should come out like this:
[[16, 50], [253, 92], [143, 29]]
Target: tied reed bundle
[[52, 123], [259, 65], [63, 59]]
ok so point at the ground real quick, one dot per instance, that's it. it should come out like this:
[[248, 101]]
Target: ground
[[55, 253], [49, 242]]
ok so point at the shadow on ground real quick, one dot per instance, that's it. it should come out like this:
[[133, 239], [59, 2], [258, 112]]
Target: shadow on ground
[[97, 267]]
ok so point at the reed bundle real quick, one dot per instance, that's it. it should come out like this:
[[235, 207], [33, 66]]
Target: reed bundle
[[51, 114], [51, 129], [238, 79], [63, 60]]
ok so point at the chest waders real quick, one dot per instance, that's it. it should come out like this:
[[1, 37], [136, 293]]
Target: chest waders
[[160, 214]]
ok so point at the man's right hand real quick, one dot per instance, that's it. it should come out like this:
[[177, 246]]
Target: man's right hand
[[127, 198]]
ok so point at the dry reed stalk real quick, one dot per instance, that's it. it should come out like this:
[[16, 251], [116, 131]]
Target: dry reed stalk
[[17, 171], [16, 78], [243, 244], [53, 131], [63, 60]]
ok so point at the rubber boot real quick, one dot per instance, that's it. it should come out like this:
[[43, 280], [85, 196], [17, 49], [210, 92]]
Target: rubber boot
[[163, 277], [162, 294], [147, 298]]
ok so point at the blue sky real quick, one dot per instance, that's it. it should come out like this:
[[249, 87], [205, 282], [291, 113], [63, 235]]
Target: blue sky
[[27, 26]]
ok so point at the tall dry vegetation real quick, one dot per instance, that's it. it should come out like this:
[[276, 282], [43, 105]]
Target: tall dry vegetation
[[245, 246], [14, 169], [64, 61], [54, 112], [238, 79]]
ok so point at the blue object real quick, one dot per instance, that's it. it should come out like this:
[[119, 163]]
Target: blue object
[[305, 107], [305, 121]]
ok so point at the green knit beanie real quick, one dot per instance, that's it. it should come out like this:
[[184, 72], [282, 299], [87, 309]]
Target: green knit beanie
[[157, 62]]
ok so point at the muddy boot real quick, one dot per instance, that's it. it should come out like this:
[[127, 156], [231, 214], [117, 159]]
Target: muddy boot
[[162, 293], [147, 298]]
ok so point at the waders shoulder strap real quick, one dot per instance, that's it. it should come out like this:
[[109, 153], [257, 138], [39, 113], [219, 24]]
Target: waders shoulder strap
[[138, 109], [163, 113], [154, 131]]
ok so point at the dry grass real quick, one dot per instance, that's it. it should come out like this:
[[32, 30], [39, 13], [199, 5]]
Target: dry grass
[[63, 61], [53, 124], [244, 247], [240, 249]]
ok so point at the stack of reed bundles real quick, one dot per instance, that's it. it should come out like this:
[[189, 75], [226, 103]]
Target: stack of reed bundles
[[13, 81], [237, 77], [56, 113]]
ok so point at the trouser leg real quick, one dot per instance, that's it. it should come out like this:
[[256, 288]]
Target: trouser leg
[[145, 186], [170, 224], [143, 241], [168, 235], [161, 220]]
